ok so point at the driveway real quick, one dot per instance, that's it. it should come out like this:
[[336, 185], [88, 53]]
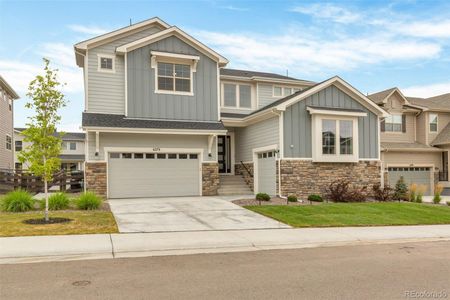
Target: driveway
[[185, 214]]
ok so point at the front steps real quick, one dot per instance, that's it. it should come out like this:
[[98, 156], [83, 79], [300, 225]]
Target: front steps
[[233, 185]]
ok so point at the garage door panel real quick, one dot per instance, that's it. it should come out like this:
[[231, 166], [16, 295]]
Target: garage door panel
[[417, 175], [153, 177], [267, 173]]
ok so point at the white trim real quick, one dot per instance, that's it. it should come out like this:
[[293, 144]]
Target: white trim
[[170, 32], [218, 92], [163, 59], [175, 55], [379, 137], [126, 84], [10, 136], [238, 96], [198, 151], [156, 131], [255, 152], [429, 123], [281, 134], [313, 111], [273, 91], [113, 59], [86, 81], [97, 142]]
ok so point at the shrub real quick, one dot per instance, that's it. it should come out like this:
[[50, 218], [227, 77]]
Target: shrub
[[413, 192], [57, 201], [448, 203], [88, 201], [17, 201], [401, 190], [382, 193], [437, 193], [292, 198], [421, 189], [315, 198], [262, 197], [341, 191]]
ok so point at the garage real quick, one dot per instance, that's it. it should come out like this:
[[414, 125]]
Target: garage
[[266, 172], [417, 175], [133, 175]]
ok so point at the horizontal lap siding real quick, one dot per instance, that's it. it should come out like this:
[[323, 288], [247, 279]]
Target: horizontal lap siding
[[416, 158], [106, 91], [402, 137], [258, 135], [6, 127], [297, 124], [143, 102]]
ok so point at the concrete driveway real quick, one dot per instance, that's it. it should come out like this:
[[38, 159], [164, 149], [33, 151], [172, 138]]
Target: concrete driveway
[[185, 214]]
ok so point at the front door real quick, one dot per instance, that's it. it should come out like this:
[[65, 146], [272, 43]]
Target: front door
[[224, 153]]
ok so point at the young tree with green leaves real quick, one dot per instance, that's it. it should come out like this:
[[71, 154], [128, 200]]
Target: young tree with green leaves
[[42, 155]]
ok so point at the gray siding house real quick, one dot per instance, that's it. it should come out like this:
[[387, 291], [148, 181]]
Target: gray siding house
[[164, 117], [7, 97]]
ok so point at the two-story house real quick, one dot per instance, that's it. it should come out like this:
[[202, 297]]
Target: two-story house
[[72, 150], [415, 138], [7, 97], [164, 117]]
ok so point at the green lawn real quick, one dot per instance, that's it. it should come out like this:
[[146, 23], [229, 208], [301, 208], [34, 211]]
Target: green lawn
[[84, 222], [356, 214]]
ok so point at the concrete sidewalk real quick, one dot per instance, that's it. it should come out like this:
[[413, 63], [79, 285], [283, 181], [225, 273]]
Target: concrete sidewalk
[[95, 246]]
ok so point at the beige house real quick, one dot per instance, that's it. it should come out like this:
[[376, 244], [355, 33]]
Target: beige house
[[72, 152], [7, 97], [415, 138]]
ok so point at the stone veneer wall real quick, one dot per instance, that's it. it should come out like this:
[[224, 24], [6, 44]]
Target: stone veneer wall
[[95, 178], [210, 179], [239, 170], [303, 177]]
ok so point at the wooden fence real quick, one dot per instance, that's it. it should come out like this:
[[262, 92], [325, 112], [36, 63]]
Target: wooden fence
[[71, 182]]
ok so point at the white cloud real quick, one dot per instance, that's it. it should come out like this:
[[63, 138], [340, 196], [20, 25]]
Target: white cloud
[[430, 29], [90, 30], [235, 8], [328, 11], [425, 91]]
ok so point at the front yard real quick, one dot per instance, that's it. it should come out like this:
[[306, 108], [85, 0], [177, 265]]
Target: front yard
[[83, 222], [356, 214]]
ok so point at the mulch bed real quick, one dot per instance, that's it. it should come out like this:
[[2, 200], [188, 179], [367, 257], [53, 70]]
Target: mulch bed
[[41, 221], [273, 201]]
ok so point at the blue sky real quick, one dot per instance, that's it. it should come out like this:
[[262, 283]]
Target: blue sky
[[373, 45]]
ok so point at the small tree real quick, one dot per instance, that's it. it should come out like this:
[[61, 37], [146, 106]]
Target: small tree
[[45, 146], [401, 190]]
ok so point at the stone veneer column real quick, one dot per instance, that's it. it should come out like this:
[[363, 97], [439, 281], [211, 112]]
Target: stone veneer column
[[302, 177], [95, 178], [210, 179]]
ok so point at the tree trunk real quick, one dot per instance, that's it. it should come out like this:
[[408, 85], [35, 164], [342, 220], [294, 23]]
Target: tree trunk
[[46, 199]]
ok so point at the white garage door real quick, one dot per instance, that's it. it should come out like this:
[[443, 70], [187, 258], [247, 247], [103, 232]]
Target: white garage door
[[153, 175], [417, 175], [267, 173]]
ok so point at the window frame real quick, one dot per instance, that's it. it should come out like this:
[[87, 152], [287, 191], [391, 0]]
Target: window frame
[[238, 95], [429, 123], [317, 142], [99, 63], [283, 88], [8, 142], [401, 124], [15, 145], [70, 146]]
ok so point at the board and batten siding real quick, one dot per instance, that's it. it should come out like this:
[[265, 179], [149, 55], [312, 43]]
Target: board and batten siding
[[143, 102], [148, 141], [106, 90], [264, 133], [297, 124]]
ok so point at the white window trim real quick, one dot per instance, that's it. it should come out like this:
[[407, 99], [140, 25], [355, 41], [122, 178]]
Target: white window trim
[[99, 63], [282, 90], [429, 123], [317, 155], [394, 132], [238, 100], [273, 91], [174, 58], [6, 143]]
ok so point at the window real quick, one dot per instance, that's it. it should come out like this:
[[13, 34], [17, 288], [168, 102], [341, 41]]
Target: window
[[328, 137], [174, 77], [18, 166], [237, 95], [150, 155], [277, 91], [138, 155], [72, 146], [8, 142], [106, 63], [433, 122], [182, 156], [10, 104], [126, 155], [393, 123], [193, 156], [114, 155], [172, 156], [161, 156], [287, 91], [330, 128], [346, 137], [18, 145]]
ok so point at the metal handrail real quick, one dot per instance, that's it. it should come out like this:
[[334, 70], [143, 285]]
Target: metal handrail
[[443, 176], [246, 169]]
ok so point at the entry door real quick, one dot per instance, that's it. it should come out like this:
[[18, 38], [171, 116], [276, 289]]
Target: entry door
[[224, 153]]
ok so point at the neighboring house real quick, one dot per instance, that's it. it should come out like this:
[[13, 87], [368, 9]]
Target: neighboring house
[[415, 138], [72, 152], [164, 117], [7, 97]]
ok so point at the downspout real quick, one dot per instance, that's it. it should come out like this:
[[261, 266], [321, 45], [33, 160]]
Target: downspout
[[280, 148]]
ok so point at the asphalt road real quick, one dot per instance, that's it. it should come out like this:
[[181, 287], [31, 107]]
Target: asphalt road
[[388, 271]]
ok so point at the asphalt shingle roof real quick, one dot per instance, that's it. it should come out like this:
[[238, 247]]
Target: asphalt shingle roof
[[68, 136], [380, 96], [72, 156], [441, 102], [250, 74], [408, 146], [120, 121], [443, 137]]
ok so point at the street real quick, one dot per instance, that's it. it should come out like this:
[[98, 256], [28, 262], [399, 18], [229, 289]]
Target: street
[[385, 271]]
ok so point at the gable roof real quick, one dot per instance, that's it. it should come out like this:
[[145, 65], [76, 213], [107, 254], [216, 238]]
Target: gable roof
[[443, 137], [440, 102], [5, 85], [254, 75], [173, 31], [379, 97], [68, 136]]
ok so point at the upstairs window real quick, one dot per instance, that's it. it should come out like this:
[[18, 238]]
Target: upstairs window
[[72, 146], [433, 122], [174, 77], [393, 123], [18, 145], [8, 142], [279, 91], [237, 95], [106, 63]]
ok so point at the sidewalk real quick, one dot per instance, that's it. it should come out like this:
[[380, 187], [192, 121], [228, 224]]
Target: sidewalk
[[97, 246]]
